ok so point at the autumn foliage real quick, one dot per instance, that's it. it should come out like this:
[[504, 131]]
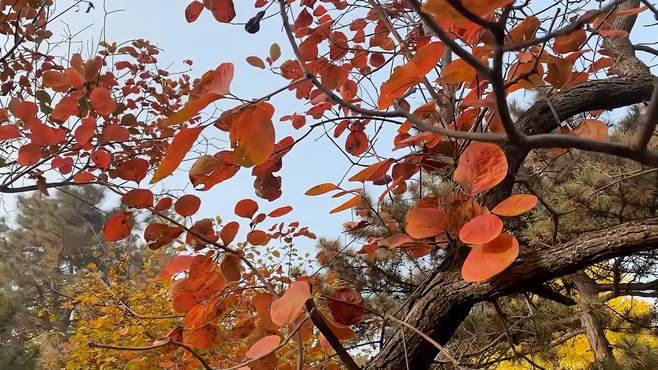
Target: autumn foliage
[[436, 75]]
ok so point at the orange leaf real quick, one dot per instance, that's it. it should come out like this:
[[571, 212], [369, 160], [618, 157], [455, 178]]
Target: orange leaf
[[138, 198], [614, 34], [118, 226], [524, 31], [481, 229], [193, 10], [425, 222], [86, 131], [29, 154], [458, 71], [180, 145], [515, 205], [159, 235], [228, 232], [409, 74], [355, 201], [133, 169], [481, 8], [373, 172], [214, 85], [286, 309], [8, 132], [263, 346], [281, 211], [187, 205], [258, 237], [231, 267], [320, 189], [570, 42], [252, 134], [175, 265], [102, 101], [481, 167], [592, 129], [246, 208], [488, 260]]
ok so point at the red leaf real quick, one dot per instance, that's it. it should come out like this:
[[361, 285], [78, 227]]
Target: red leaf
[[570, 42], [231, 267], [425, 222], [158, 235], [8, 132], [193, 11], [29, 154], [258, 237], [176, 152], [118, 226], [246, 208], [138, 198], [515, 205], [346, 313], [86, 131], [592, 129], [101, 158], [163, 204], [187, 205], [175, 265], [281, 211], [356, 143], [228, 232], [252, 134], [133, 169], [481, 167], [486, 261], [222, 10], [102, 101], [481, 229], [286, 309]]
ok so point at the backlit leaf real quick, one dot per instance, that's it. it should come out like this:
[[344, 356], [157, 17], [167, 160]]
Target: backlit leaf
[[176, 152], [138, 198], [425, 222], [481, 167], [263, 346], [515, 205], [481, 229], [488, 260], [286, 309], [320, 189], [353, 202], [118, 226]]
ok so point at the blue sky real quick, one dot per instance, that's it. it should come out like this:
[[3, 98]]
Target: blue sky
[[209, 43]]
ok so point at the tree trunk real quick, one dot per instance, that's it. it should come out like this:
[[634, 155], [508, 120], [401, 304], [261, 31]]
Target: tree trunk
[[589, 304]]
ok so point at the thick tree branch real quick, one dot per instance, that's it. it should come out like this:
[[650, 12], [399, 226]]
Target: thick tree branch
[[446, 299]]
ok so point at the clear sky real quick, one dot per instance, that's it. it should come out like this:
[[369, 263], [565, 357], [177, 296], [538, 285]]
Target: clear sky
[[209, 43]]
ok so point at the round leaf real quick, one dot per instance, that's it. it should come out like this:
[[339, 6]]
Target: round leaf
[[481, 229]]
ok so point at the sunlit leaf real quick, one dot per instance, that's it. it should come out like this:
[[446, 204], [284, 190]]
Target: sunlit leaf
[[481, 167], [488, 260], [481, 229], [515, 205], [286, 309], [176, 152]]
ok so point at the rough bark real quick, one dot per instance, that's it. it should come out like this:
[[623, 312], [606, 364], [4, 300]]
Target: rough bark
[[588, 304], [441, 304]]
